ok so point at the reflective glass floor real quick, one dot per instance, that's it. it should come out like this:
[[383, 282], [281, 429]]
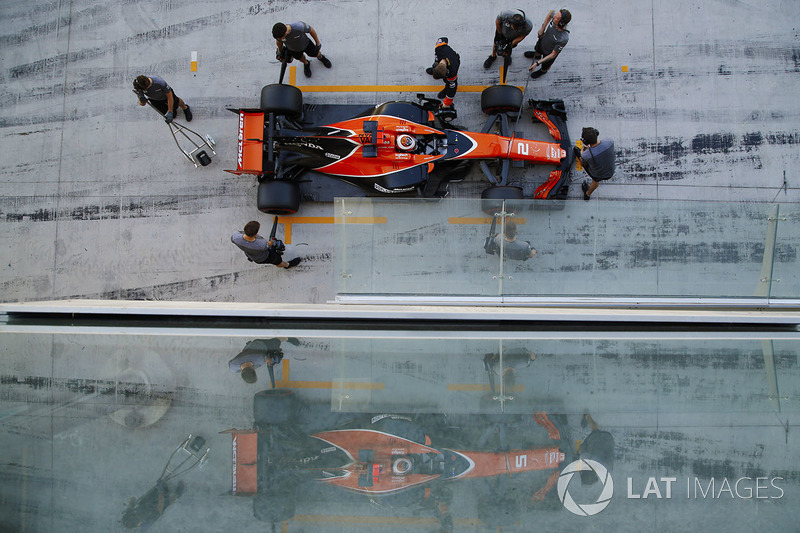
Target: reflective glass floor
[[409, 431]]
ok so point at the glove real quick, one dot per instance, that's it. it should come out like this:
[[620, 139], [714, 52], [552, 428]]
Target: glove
[[169, 116], [143, 100], [429, 70], [279, 54]]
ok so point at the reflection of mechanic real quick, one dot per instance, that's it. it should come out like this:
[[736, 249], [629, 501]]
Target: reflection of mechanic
[[598, 159], [158, 92], [297, 44], [257, 353], [258, 249], [445, 66], [511, 27], [513, 359], [597, 446], [144, 512], [553, 37], [512, 247]]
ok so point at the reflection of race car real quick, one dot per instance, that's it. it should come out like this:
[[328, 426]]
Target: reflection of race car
[[375, 455], [392, 148]]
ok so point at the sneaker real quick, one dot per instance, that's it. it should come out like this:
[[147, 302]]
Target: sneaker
[[325, 61], [429, 71], [307, 70], [188, 114], [584, 188], [489, 61], [538, 74], [441, 94], [294, 262]]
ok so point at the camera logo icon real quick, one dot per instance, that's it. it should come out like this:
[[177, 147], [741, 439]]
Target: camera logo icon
[[603, 476]]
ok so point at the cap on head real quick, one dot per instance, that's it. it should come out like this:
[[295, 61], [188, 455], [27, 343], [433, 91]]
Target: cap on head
[[589, 135], [518, 19], [279, 30], [441, 40]]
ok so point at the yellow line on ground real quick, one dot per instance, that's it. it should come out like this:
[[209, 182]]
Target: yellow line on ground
[[376, 520], [284, 382], [479, 220], [289, 222], [471, 387], [386, 88]]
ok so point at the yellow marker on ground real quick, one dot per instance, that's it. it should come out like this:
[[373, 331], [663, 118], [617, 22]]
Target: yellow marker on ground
[[194, 61], [288, 222], [624, 68], [284, 382]]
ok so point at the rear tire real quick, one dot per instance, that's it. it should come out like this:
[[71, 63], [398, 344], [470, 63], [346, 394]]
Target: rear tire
[[282, 100], [492, 198], [272, 406], [278, 197], [501, 99]]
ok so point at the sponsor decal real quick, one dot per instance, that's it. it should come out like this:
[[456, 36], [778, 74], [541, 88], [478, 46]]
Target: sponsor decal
[[392, 191], [332, 156], [239, 158]]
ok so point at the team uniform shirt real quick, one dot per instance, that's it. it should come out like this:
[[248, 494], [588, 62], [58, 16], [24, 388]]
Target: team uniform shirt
[[507, 30], [258, 250], [158, 90], [515, 249], [297, 41], [553, 39], [599, 161], [450, 57], [258, 352]]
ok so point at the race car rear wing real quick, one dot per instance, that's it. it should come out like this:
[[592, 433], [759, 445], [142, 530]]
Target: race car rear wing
[[250, 153]]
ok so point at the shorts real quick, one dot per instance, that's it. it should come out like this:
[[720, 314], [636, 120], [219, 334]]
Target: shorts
[[162, 105], [311, 51]]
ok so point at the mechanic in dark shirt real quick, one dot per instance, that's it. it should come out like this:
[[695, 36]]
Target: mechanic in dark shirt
[[445, 66], [155, 90], [145, 511], [597, 446], [598, 159], [257, 353], [292, 37], [553, 37], [511, 27], [258, 249], [512, 247]]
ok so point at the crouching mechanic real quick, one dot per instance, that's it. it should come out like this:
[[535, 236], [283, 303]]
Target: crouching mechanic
[[155, 90], [598, 159], [260, 250], [292, 39], [445, 66], [510, 29]]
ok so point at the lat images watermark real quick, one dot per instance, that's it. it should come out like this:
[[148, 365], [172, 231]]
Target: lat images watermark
[[591, 508]]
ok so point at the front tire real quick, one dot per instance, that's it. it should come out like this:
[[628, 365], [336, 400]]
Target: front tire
[[282, 99], [278, 197], [492, 197], [501, 99]]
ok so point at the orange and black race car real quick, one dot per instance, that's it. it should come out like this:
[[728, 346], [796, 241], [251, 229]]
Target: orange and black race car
[[395, 148], [384, 456]]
